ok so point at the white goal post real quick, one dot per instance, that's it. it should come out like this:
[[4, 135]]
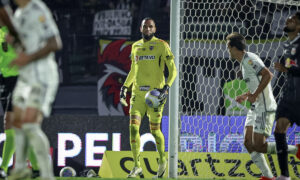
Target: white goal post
[[203, 116]]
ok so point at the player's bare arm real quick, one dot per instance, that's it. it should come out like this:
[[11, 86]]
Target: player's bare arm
[[279, 67], [265, 80], [242, 98], [53, 44]]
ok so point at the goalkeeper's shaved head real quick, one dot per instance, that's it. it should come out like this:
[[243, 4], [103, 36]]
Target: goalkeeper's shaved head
[[236, 40], [148, 28]]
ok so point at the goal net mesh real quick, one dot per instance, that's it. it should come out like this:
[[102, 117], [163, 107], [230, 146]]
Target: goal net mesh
[[211, 120]]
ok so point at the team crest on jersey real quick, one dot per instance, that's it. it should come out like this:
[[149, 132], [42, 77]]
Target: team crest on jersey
[[250, 62], [293, 51], [151, 48], [42, 19]]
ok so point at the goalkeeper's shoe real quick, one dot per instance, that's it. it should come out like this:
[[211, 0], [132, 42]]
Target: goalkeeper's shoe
[[19, 174], [161, 170], [267, 178], [136, 171]]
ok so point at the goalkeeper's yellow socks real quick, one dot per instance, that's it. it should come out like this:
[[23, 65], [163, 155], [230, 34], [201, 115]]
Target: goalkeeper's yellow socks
[[135, 143], [33, 160], [160, 144], [8, 149]]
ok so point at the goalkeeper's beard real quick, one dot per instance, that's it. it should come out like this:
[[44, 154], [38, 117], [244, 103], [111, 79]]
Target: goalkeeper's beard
[[287, 30], [148, 37]]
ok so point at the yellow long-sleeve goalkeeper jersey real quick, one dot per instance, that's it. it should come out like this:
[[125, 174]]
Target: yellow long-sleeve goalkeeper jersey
[[148, 60]]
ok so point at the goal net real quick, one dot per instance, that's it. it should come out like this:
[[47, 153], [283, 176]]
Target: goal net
[[210, 119]]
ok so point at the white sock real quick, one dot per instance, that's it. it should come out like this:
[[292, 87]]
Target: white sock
[[260, 161], [272, 148], [40, 144], [21, 145]]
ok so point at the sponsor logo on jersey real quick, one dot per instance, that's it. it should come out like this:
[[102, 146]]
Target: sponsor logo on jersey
[[151, 48], [290, 62], [148, 57], [144, 88], [293, 51]]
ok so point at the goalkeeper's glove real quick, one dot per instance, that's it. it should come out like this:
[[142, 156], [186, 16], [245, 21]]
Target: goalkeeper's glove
[[163, 93], [123, 96]]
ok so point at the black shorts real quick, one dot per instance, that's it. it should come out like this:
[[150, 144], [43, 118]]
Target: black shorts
[[7, 85], [289, 110]]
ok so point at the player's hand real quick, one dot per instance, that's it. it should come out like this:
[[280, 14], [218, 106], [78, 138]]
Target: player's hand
[[252, 97], [279, 67], [15, 42], [22, 60], [123, 94], [163, 94], [240, 99]]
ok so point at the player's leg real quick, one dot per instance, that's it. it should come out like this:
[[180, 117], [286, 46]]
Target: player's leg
[[20, 170], [38, 140], [257, 158], [155, 115], [134, 128], [21, 142], [159, 140], [252, 124], [282, 125], [260, 146], [38, 106], [9, 144], [34, 163], [137, 110]]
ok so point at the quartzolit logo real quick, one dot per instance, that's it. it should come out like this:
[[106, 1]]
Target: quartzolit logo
[[236, 166]]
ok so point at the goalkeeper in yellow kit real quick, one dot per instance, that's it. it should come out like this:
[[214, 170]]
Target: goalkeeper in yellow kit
[[148, 59]]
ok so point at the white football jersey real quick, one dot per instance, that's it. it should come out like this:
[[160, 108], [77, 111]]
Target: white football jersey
[[251, 66], [35, 25]]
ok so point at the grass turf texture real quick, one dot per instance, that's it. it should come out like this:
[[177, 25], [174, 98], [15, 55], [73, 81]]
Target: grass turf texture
[[98, 178]]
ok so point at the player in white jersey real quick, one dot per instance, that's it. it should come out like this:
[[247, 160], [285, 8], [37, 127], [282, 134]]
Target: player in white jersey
[[260, 118], [37, 84]]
